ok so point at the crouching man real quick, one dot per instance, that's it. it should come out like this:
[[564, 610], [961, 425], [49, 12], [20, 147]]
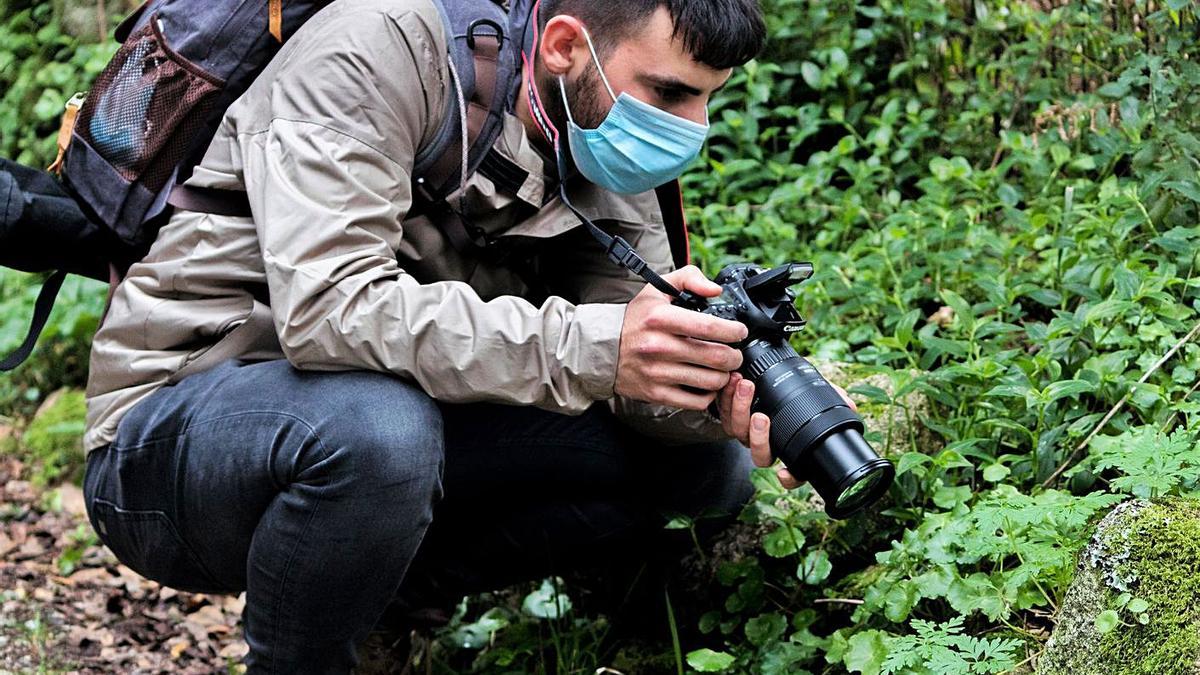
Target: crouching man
[[303, 402]]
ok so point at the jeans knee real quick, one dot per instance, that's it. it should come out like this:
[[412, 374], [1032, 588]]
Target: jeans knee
[[389, 439], [715, 479]]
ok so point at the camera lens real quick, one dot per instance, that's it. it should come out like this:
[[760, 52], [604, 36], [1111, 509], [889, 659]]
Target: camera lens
[[816, 435]]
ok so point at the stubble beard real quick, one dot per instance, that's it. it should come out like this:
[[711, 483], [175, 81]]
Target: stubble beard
[[586, 95]]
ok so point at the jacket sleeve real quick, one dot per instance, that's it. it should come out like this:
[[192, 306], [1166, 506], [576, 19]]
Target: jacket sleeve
[[328, 180], [588, 276]]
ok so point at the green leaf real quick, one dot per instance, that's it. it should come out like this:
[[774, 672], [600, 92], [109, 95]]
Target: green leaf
[[1064, 389], [765, 628], [679, 523], [1137, 606], [899, 601], [995, 473], [811, 73], [815, 568], [548, 601], [909, 461], [1186, 188], [962, 309], [865, 652], [707, 661], [1114, 90], [977, 593], [784, 541], [1107, 621]]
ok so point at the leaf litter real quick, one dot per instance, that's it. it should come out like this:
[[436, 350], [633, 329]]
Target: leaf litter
[[67, 604]]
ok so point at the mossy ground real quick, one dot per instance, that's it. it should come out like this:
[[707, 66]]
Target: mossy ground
[[51, 443], [1164, 562], [1150, 550]]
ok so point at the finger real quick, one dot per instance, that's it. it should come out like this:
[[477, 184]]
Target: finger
[[693, 324], [740, 415], [683, 399], [760, 439], [676, 349], [702, 353], [709, 354], [725, 402], [684, 375], [845, 397], [786, 479], [690, 278]]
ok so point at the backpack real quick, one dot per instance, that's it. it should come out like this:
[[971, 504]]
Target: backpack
[[152, 112]]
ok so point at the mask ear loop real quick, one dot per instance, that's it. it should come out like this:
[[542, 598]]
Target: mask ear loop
[[596, 60]]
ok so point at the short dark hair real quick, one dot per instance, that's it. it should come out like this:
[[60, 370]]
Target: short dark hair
[[718, 33]]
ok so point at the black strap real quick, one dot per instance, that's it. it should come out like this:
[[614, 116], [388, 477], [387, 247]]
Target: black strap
[[41, 313], [210, 200], [618, 250]]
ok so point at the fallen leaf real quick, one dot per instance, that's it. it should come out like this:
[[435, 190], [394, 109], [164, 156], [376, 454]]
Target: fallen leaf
[[178, 648], [944, 316], [234, 650], [72, 500]]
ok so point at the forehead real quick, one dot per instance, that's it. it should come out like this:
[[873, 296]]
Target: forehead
[[654, 49]]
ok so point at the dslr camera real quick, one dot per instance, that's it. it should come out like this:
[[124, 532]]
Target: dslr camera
[[816, 435]]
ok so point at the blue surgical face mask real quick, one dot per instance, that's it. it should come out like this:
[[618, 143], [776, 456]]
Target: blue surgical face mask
[[637, 147]]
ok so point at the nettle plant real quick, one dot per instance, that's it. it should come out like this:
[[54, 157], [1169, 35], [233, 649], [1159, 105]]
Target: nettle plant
[[1002, 204]]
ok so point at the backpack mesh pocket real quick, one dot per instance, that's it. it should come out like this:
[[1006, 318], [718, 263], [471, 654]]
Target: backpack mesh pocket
[[146, 107]]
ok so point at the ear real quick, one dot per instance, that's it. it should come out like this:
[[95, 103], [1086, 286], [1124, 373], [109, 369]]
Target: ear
[[563, 47]]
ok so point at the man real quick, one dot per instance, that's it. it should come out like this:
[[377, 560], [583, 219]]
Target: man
[[272, 399]]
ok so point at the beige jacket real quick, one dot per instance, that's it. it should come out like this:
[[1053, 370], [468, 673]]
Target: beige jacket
[[331, 272]]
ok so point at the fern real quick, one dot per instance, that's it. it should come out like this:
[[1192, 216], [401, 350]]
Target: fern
[[1153, 463], [942, 649]]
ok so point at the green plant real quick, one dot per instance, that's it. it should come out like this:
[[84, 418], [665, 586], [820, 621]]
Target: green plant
[[1152, 463], [52, 441], [942, 649], [1000, 201]]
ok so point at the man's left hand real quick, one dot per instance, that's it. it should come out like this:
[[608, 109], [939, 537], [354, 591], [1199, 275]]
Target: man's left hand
[[754, 430]]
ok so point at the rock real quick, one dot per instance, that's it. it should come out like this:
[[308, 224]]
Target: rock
[[898, 424], [82, 19], [1141, 550]]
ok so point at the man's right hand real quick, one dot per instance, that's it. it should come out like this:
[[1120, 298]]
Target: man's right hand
[[674, 356]]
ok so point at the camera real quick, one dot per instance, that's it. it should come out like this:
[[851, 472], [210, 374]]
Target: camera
[[816, 435]]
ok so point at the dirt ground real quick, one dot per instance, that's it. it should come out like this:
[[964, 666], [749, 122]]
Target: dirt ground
[[68, 606]]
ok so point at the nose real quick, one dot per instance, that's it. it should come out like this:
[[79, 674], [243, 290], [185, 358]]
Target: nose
[[695, 111]]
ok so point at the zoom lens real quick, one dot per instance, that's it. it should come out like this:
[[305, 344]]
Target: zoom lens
[[816, 435]]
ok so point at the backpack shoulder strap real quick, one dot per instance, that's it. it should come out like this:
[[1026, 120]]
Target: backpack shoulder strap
[[484, 42], [670, 202]]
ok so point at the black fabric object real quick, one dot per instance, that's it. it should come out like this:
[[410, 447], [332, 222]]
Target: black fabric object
[[42, 227]]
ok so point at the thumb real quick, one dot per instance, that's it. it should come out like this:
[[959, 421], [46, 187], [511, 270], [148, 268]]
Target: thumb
[[690, 278]]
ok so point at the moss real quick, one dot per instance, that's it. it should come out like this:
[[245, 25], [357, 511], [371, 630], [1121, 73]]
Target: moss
[[1150, 550], [1163, 568], [52, 441]]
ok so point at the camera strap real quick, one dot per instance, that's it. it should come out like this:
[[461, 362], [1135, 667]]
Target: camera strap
[[617, 248]]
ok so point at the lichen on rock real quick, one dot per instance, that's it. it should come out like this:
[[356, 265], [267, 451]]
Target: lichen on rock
[[1150, 551]]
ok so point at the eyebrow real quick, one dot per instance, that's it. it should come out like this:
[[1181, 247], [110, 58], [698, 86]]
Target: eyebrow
[[669, 82]]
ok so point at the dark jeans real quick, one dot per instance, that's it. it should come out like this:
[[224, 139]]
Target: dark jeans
[[314, 493]]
